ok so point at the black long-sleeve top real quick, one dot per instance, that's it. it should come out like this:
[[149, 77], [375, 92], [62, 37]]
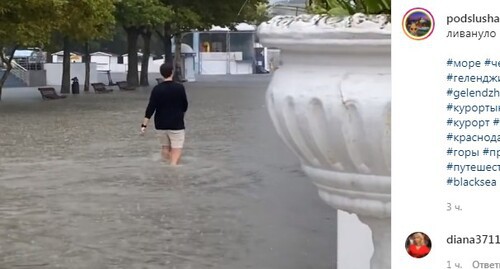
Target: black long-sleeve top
[[168, 102]]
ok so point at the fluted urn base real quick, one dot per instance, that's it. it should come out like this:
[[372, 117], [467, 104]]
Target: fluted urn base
[[372, 208]]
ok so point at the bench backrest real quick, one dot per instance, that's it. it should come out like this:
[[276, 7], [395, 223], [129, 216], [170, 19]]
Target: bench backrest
[[99, 86], [121, 84], [47, 91]]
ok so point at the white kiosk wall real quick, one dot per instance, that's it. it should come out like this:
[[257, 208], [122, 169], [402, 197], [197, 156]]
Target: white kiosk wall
[[55, 70]]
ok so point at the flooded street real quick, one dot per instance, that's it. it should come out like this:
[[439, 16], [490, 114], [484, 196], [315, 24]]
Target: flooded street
[[80, 188]]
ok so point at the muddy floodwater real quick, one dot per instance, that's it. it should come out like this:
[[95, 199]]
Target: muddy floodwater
[[80, 188]]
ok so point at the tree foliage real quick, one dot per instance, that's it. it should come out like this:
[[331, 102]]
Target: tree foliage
[[141, 13], [28, 22], [84, 20], [198, 15], [346, 7]]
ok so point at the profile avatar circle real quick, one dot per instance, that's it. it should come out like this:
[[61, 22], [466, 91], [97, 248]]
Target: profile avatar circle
[[418, 245], [418, 23]]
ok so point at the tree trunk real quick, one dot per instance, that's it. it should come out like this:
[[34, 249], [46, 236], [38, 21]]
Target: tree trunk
[[179, 73], [3, 80], [133, 69], [167, 43], [66, 76], [146, 36], [8, 63], [86, 86]]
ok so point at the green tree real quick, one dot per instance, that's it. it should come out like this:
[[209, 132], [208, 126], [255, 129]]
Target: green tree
[[24, 23], [346, 7], [80, 22], [138, 18]]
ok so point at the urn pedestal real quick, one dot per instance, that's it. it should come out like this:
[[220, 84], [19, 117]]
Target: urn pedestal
[[331, 104]]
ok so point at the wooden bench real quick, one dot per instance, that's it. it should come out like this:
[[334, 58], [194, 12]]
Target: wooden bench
[[50, 94], [101, 88], [160, 80], [123, 85]]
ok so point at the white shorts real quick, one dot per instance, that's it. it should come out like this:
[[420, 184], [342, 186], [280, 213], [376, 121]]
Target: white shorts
[[171, 138]]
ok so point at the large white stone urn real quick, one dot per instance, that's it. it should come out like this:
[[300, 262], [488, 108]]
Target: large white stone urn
[[330, 102]]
